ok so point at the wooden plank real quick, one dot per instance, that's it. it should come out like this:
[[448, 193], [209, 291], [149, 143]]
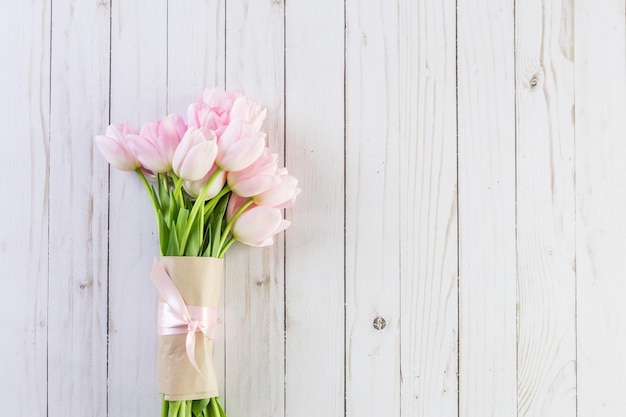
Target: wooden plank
[[77, 344], [372, 221], [486, 169], [196, 59], [196, 54], [314, 349], [545, 209], [600, 204], [254, 278], [138, 94], [428, 208], [25, 74]]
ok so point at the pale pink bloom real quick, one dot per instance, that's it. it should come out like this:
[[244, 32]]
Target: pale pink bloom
[[281, 195], [219, 98], [212, 110], [258, 225], [156, 143], [239, 146], [195, 154], [234, 204], [194, 188], [248, 111], [114, 147], [202, 115], [150, 175], [256, 178]]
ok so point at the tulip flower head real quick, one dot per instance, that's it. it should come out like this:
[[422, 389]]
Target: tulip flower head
[[256, 178], [114, 147], [258, 225], [195, 154], [281, 195], [157, 141], [248, 111], [194, 188], [239, 146]]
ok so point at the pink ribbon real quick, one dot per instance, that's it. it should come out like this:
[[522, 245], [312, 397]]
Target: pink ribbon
[[175, 317]]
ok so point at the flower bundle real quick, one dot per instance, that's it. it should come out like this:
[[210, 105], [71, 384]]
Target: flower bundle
[[212, 181]]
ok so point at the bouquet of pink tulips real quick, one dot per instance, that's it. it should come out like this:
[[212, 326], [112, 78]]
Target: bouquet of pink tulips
[[212, 181]]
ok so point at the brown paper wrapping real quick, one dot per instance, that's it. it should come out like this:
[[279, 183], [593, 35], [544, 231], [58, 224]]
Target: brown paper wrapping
[[199, 281]]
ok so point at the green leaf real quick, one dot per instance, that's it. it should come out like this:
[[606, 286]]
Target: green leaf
[[163, 193], [164, 233], [217, 224], [173, 247], [194, 240], [181, 224], [206, 244]]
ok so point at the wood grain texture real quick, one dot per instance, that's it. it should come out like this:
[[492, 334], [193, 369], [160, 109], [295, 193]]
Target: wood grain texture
[[486, 164], [314, 288], [24, 164], [196, 56], [484, 223], [428, 209], [546, 284], [196, 60], [254, 281], [138, 94], [372, 221], [77, 345], [600, 34]]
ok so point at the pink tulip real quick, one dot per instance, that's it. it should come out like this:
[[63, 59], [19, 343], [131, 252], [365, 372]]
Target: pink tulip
[[281, 195], [195, 154], [194, 188], [234, 204], [156, 143], [114, 147], [218, 98], [150, 175], [202, 115], [239, 146], [258, 225], [248, 111], [212, 110], [256, 178]]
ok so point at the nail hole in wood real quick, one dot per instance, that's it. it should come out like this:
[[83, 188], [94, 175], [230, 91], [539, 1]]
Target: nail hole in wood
[[379, 323]]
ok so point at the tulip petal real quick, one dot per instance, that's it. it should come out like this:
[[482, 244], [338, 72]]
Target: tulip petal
[[148, 153], [242, 154], [257, 224], [198, 161], [116, 153], [254, 185]]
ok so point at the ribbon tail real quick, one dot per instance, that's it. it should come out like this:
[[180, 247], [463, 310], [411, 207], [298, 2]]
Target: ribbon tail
[[191, 351]]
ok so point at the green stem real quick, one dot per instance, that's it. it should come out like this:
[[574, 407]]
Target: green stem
[[164, 407], [211, 204], [178, 185], [174, 407], [232, 222], [153, 198], [228, 244], [196, 206]]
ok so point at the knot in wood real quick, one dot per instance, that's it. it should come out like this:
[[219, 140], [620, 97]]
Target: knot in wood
[[379, 323], [533, 82]]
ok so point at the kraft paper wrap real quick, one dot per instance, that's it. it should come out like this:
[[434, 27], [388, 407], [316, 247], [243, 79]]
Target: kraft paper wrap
[[199, 281]]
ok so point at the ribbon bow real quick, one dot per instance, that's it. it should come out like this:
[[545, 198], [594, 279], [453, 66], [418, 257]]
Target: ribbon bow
[[176, 317]]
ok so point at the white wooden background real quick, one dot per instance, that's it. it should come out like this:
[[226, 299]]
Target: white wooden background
[[463, 166]]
